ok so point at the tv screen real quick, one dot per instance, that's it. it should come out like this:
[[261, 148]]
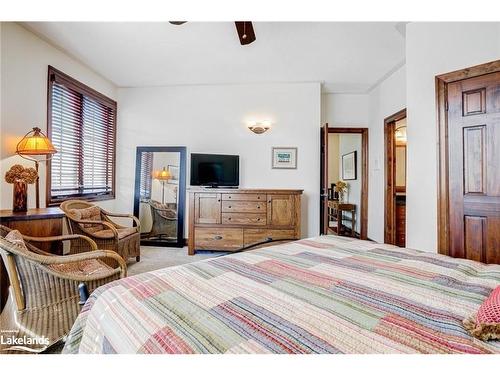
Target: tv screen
[[215, 170]]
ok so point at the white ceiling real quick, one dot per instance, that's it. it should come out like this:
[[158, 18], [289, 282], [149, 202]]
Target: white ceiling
[[345, 57]]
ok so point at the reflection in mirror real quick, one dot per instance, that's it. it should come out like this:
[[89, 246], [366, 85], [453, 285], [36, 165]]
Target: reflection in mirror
[[345, 181], [160, 184]]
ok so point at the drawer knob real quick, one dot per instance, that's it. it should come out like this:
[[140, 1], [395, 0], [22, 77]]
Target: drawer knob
[[218, 238], [258, 219], [229, 218], [228, 206], [229, 197], [258, 207]]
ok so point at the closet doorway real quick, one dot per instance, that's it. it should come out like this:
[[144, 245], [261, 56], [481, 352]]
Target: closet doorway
[[395, 179], [344, 181]]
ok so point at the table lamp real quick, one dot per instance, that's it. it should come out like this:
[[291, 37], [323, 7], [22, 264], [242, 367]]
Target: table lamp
[[36, 143]]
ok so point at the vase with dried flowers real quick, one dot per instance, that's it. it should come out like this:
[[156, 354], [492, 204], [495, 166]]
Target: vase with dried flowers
[[341, 188], [20, 177]]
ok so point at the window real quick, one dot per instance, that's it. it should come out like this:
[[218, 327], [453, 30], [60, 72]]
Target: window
[[146, 175], [82, 127]]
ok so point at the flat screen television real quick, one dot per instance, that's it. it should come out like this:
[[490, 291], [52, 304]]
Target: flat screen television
[[215, 170]]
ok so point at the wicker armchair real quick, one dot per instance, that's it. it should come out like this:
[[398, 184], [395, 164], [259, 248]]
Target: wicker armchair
[[94, 222], [44, 299], [164, 219]]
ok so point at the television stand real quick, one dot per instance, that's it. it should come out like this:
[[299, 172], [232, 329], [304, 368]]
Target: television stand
[[236, 219]]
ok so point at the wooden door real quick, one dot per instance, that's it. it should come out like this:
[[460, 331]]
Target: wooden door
[[324, 181], [280, 210], [474, 174], [207, 208]]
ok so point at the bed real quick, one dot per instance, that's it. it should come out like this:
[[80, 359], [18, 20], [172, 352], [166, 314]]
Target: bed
[[322, 295]]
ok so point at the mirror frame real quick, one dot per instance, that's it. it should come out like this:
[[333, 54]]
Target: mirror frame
[[181, 201]]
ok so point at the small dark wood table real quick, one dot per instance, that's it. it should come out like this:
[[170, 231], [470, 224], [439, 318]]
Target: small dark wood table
[[335, 212], [36, 222]]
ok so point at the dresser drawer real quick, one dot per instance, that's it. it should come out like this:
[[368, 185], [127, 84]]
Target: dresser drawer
[[244, 197], [244, 219], [218, 238], [244, 206], [254, 236]]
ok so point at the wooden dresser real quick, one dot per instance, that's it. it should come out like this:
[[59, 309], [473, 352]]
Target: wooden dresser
[[233, 219], [36, 222]]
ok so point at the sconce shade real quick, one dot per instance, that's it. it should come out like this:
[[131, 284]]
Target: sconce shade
[[35, 143], [162, 175], [260, 127]]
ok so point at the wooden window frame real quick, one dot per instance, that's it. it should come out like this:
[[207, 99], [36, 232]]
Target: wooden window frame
[[94, 95], [442, 82]]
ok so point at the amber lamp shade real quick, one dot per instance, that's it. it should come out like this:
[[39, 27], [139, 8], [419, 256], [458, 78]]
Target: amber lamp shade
[[35, 143], [162, 175]]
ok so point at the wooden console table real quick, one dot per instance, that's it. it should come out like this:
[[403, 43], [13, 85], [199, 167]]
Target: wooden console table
[[237, 219], [336, 211], [39, 222]]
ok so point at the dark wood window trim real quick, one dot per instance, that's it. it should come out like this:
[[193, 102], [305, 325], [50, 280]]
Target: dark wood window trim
[[442, 82], [55, 75]]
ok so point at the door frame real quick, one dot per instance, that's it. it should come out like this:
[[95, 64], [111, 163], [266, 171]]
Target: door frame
[[364, 175], [389, 176], [442, 82]]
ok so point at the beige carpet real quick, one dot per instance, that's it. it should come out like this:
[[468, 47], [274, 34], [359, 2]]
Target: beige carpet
[[155, 258]]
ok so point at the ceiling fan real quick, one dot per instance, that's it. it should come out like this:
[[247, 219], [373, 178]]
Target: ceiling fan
[[243, 28]]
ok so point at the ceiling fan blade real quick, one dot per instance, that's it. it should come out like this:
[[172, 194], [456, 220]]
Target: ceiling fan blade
[[245, 32], [177, 23]]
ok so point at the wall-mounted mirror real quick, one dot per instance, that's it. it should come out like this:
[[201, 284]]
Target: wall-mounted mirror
[[159, 199]]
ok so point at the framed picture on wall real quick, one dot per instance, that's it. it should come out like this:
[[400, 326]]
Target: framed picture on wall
[[284, 158], [174, 171], [349, 166]]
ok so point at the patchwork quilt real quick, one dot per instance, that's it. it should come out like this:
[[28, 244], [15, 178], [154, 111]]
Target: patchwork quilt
[[323, 295]]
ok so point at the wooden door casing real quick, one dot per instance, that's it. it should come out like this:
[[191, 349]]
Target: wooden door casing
[[473, 174], [324, 180]]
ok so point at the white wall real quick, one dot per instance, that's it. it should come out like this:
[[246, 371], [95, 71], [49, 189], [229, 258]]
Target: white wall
[[333, 158], [345, 110], [212, 119], [385, 99], [433, 49], [24, 63]]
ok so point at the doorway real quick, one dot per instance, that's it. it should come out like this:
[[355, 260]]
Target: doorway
[[468, 178], [344, 181], [395, 179]]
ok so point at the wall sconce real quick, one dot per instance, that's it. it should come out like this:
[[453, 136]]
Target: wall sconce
[[259, 127]]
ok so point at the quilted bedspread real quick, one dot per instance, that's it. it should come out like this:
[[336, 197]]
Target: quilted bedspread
[[322, 295]]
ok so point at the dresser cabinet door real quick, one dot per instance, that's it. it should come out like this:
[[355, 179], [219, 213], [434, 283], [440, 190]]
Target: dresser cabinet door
[[280, 210], [207, 208]]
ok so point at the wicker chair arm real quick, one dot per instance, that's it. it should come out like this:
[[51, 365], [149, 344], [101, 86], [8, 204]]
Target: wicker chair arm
[[134, 219], [96, 254], [67, 237]]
